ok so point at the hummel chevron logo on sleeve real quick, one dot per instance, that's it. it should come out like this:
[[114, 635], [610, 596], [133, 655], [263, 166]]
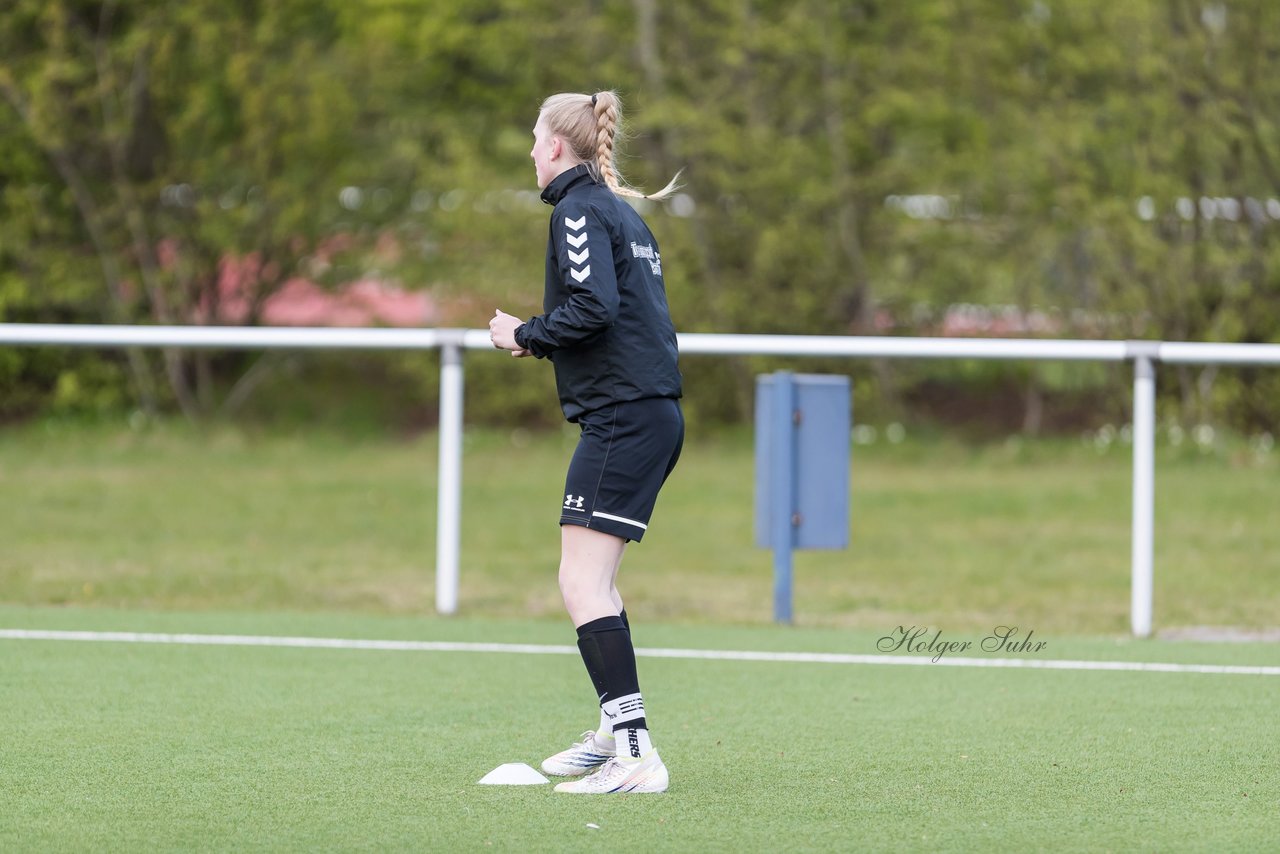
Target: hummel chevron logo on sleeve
[[576, 240]]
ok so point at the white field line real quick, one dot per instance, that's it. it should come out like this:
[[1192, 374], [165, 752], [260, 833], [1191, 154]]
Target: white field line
[[697, 654]]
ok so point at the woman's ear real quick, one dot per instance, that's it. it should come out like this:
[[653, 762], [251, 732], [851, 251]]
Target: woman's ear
[[553, 149]]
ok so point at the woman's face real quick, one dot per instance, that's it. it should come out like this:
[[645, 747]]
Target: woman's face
[[546, 154]]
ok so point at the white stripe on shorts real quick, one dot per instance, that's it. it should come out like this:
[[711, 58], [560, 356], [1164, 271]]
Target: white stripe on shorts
[[611, 517]]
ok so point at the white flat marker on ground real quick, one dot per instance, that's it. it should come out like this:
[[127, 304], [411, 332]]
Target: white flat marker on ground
[[513, 774]]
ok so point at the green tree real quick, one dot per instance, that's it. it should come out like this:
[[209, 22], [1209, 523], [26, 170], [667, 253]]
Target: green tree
[[176, 135]]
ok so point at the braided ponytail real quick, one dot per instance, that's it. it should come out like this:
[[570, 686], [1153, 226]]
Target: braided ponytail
[[606, 115], [589, 124]]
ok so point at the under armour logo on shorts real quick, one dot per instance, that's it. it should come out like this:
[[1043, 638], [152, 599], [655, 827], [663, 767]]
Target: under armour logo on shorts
[[571, 503]]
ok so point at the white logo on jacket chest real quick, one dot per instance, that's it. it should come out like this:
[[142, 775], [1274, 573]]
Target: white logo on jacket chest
[[647, 252], [578, 225]]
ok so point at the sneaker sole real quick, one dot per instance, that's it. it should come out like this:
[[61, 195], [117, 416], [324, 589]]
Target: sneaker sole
[[566, 771], [655, 785]]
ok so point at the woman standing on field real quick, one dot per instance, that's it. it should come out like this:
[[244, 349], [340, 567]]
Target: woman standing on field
[[608, 332]]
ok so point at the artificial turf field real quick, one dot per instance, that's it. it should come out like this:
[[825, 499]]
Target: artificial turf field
[[128, 747], [111, 746]]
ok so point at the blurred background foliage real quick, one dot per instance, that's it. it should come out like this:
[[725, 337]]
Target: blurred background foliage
[[1046, 168]]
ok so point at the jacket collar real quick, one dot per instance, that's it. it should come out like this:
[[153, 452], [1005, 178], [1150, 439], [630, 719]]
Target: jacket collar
[[562, 183]]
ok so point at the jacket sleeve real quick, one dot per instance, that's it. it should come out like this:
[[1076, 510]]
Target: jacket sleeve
[[583, 258]]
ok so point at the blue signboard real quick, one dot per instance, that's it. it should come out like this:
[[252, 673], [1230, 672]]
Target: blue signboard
[[802, 470]]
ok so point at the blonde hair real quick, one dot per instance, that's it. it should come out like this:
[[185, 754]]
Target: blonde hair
[[589, 124]]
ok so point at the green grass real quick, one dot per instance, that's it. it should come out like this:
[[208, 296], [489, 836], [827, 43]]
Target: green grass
[[1032, 534], [121, 747], [118, 747]]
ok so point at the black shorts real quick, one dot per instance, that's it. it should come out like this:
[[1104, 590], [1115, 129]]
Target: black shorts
[[623, 457]]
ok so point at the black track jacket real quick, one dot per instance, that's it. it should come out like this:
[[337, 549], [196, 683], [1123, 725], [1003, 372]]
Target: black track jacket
[[607, 328]]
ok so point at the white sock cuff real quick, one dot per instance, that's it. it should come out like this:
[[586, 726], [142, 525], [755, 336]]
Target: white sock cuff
[[623, 709]]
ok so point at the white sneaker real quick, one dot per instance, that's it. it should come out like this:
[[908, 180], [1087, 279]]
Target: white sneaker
[[619, 776], [584, 757]]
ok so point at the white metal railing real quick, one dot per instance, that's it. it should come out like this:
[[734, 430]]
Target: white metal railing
[[452, 343]]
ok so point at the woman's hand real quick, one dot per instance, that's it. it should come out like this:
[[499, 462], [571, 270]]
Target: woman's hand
[[502, 332]]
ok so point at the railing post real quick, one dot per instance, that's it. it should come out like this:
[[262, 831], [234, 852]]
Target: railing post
[[1144, 441], [449, 483]]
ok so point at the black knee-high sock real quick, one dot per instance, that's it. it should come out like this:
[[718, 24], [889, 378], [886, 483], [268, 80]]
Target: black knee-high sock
[[592, 656], [606, 650], [605, 645]]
